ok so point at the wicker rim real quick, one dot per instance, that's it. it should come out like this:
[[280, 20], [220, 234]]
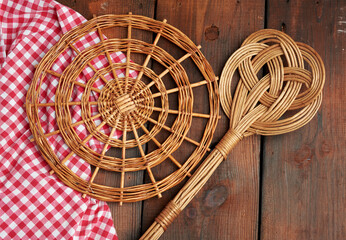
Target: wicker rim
[[124, 104]]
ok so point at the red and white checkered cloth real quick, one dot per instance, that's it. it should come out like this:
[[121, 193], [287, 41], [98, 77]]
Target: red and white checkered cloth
[[33, 203]]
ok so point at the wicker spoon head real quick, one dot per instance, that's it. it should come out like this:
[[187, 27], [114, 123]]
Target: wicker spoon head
[[258, 105]]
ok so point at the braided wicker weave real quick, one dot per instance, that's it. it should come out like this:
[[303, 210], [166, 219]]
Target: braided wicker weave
[[258, 105], [125, 104]]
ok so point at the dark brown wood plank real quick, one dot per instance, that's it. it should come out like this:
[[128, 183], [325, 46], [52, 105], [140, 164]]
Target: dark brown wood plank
[[227, 207], [127, 218], [304, 171]]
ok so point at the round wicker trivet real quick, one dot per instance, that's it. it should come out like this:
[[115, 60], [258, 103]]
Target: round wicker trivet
[[139, 107]]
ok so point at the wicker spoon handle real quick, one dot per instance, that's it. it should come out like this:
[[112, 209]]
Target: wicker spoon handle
[[258, 105]]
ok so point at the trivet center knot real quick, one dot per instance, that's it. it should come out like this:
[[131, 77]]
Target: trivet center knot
[[125, 104]]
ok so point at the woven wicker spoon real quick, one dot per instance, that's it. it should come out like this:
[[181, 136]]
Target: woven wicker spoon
[[258, 106]]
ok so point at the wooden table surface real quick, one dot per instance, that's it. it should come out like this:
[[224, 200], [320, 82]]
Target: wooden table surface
[[290, 186]]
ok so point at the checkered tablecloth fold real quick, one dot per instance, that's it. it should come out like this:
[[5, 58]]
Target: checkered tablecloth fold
[[33, 203]]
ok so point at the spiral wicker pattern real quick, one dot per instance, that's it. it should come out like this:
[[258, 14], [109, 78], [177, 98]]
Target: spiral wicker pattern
[[125, 104]]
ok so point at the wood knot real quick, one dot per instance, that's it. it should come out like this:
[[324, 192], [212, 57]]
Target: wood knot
[[303, 157], [191, 212], [214, 198], [212, 33], [325, 149]]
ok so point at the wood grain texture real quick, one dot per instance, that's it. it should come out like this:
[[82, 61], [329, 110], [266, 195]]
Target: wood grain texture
[[304, 172]]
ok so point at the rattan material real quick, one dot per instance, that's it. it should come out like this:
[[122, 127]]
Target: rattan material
[[124, 104], [258, 105]]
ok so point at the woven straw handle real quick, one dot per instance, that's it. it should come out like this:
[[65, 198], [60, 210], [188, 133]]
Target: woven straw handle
[[192, 187]]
